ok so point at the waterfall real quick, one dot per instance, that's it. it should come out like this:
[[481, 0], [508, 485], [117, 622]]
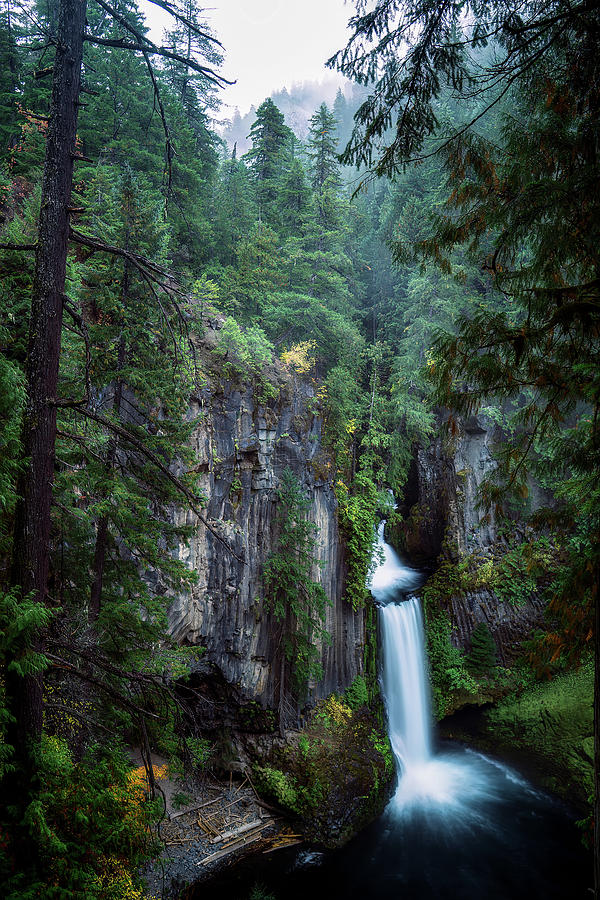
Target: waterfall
[[404, 677], [426, 781], [448, 787], [405, 682]]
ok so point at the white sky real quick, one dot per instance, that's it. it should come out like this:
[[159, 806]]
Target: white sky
[[270, 44]]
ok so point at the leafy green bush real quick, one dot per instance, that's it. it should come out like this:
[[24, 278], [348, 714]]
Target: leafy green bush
[[201, 750], [356, 515], [275, 783], [356, 695], [89, 827], [247, 352]]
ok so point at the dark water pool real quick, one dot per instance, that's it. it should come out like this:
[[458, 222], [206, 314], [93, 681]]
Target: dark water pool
[[463, 827]]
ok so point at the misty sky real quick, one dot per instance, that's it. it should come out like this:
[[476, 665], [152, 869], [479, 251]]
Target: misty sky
[[271, 43]]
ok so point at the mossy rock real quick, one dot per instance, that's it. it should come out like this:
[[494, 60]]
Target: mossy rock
[[552, 725], [336, 776]]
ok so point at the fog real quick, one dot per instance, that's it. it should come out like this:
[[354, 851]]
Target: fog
[[270, 44]]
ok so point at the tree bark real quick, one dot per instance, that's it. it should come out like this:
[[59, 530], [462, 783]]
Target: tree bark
[[32, 520]]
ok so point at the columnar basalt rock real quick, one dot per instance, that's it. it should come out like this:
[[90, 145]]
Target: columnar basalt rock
[[442, 516], [243, 446], [440, 506]]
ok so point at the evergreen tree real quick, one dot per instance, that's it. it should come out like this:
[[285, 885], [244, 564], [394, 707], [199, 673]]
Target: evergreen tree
[[296, 599], [294, 200], [10, 64], [108, 657], [191, 38], [482, 656], [271, 140], [233, 210], [322, 150], [528, 205]]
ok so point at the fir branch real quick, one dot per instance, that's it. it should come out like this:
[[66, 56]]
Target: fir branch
[[192, 499]]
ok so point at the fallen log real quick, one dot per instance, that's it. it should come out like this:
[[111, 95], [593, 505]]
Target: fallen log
[[220, 854], [249, 826]]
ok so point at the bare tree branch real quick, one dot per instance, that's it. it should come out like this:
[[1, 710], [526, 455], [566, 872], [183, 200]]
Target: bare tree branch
[[145, 44], [192, 499], [18, 246], [168, 7]]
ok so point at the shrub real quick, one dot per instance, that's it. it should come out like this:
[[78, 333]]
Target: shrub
[[356, 694], [482, 658]]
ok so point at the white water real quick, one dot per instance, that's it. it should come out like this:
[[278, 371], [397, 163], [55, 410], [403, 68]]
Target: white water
[[447, 785]]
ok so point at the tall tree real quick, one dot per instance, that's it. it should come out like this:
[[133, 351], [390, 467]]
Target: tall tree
[[270, 138], [32, 523], [31, 544]]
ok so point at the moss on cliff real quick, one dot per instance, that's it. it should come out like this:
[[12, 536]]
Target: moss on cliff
[[552, 723], [336, 775]]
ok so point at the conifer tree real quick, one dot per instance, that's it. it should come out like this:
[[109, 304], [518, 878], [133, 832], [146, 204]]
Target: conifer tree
[[271, 139], [30, 601], [527, 206], [10, 64], [482, 656]]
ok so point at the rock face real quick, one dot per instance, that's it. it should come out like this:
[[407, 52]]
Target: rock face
[[509, 625], [243, 444], [440, 504], [441, 515]]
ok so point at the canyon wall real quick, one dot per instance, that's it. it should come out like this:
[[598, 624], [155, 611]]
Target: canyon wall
[[442, 519], [243, 442]]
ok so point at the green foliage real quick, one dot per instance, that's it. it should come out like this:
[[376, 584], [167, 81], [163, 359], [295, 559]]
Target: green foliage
[[201, 751], [246, 352], [553, 721], [258, 892], [481, 659], [297, 601], [448, 671], [356, 695], [270, 138], [340, 757], [11, 409], [180, 799], [274, 783], [88, 827], [356, 515]]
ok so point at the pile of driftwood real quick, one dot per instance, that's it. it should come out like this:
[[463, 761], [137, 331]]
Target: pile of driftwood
[[231, 822]]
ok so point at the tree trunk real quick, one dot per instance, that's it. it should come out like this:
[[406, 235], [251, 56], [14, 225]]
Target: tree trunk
[[32, 520]]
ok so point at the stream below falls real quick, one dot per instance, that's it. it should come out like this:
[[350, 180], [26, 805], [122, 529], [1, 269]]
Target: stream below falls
[[460, 825]]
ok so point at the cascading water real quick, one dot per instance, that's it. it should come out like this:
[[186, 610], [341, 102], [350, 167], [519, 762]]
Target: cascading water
[[461, 826], [448, 786], [405, 683], [425, 780]]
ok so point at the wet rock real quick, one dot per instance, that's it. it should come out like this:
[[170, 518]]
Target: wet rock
[[243, 443]]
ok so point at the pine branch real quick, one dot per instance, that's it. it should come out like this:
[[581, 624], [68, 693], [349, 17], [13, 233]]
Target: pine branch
[[60, 663], [144, 44], [192, 499], [195, 29], [18, 246]]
